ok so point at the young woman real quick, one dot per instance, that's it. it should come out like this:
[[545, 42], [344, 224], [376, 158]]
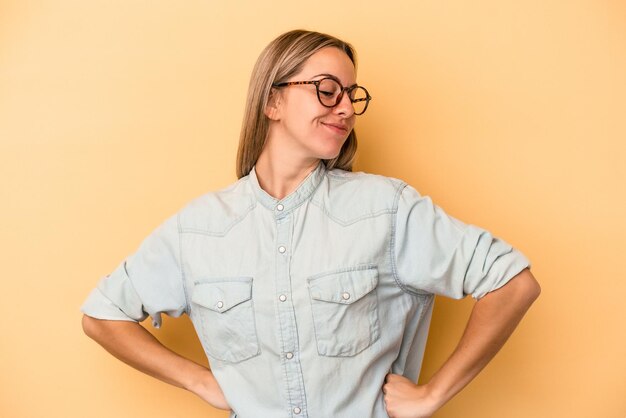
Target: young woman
[[310, 286]]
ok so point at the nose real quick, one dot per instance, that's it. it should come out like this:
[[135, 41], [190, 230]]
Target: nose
[[344, 107]]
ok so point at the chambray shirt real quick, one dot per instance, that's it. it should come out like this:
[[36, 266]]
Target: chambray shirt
[[304, 304]]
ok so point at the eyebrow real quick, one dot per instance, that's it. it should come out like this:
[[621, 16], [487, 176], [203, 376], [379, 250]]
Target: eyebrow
[[334, 77]]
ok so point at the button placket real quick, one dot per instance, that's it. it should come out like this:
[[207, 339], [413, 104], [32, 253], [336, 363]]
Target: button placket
[[286, 317]]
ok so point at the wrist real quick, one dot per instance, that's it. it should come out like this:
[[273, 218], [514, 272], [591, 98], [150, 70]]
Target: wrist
[[436, 396]]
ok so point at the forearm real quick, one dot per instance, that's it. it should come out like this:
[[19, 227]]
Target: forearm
[[492, 321], [133, 344]]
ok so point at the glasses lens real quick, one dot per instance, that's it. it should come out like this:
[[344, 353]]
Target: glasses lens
[[328, 91], [359, 100]]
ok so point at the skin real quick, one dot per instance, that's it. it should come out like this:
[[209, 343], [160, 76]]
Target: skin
[[299, 137], [492, 321], [135, 346], [302, 132]]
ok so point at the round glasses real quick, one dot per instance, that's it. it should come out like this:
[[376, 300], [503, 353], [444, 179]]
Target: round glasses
[[330, 92]]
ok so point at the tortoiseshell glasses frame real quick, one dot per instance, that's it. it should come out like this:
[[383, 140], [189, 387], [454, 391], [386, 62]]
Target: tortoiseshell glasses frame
[[357, 94]]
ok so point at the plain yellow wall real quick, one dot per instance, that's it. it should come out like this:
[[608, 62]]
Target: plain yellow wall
[[510, 114]]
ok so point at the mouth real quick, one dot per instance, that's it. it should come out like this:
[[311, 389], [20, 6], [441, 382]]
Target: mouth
[[336, 127]]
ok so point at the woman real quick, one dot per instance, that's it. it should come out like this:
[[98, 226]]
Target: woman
[[311, 287]]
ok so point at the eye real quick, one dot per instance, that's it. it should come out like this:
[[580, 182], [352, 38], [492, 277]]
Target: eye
[[329, 87]]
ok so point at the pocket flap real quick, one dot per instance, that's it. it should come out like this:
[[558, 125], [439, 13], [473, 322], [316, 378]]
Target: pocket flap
[[222, 295], [344, 287]]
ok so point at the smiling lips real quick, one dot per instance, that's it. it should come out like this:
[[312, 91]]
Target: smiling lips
[[337, 127]]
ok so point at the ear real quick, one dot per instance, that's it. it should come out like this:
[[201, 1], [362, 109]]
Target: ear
[[272, 110]]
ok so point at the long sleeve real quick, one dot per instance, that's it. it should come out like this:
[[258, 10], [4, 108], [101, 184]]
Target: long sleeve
[[436, 253], [148, 282]]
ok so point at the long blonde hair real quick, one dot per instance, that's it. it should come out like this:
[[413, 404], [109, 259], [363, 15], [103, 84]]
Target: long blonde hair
[[280, 60]]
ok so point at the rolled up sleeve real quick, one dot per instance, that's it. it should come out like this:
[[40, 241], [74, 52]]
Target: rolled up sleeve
[[436, 253], [147, 283]]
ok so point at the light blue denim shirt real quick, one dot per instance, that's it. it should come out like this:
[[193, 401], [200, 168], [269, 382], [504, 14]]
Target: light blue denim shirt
[[304, 304]]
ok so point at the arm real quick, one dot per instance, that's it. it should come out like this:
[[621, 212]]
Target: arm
[[135, 346], [492, 321]]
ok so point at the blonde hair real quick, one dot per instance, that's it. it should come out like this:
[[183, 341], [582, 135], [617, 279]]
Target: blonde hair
[[280, 60]]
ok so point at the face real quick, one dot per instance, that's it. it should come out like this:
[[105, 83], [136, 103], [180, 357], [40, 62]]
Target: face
[[300, 124]]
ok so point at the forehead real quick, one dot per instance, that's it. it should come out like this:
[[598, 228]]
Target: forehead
[[332, 61]]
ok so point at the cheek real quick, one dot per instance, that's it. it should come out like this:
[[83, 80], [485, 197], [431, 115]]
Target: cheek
[[350, 124], [302, 111]]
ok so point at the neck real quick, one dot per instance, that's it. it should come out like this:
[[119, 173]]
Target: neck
[[279, 174]]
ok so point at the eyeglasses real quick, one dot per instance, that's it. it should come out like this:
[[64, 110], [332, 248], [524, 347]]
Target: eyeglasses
[[330, 92]]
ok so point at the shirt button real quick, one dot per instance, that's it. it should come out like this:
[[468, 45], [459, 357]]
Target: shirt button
[[281, 249], [279, 207], [282, 298], [345, 295], [220, 304], [297, 410], [289, 356]]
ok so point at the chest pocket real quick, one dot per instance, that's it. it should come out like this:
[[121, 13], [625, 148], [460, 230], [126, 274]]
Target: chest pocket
[[345, 310], [224, 318]]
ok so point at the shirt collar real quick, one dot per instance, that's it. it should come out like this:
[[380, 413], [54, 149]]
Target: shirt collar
[[304, 190]]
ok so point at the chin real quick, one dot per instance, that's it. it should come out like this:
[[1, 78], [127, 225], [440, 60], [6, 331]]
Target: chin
[[331, 152], [328, 155]]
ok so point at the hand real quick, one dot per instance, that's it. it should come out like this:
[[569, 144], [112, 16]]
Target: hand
[[209, 390], [405, 399]]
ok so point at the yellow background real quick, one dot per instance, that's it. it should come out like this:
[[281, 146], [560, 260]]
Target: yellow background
[[510, 114]]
